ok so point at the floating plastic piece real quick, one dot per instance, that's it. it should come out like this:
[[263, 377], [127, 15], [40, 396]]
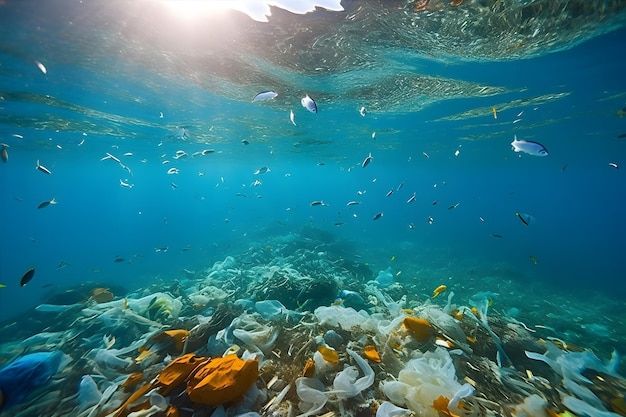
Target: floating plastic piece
[[439, 290], [371, 353], [132, 380], [420, 329], [179, 337]]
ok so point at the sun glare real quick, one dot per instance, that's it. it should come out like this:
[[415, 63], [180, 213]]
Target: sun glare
[[197, 8]]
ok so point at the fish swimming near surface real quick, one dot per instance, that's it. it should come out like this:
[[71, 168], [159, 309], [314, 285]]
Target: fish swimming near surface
[[309, 104], [46, 203], [318, 203], [411, 199], [261, 170], [28, 275], [118, 259], [292, 117], [377, 216], [353, 203], [266, 95], [529, 147], [4, 154], [42, 168], [527, 219], [367, 160]]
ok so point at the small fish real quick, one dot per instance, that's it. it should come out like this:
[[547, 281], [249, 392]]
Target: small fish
[[163, 249], [377, 216], [430, 220], [173, 171], [28, 275], [266, 95], [411, 199], [411, 225], [318, 203], [292, 118], [353, 203], [425, 155], [46, 203], [309, 104], [532, 258], [207, 151], [453, 206], [256, 183], [439, 290], [3, 286], [128, 154], [174, 186], [457, 152], [613, 165], [564, 168], [434, 202], [42, 168], [245, 142], [4, 155], [495, 112], [125, 184], [367, 160], [261, 170], [529, 147], [118, 259], [338, 224], [389, 193], [62, 264], [525, 218], [41, 67], [622, 136], [109, 156], [373, 135], [496, 235], [362, 111], [399, 187]]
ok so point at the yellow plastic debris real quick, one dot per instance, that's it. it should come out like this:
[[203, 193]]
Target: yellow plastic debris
[[179, 337], [329, 355], [178, 370]]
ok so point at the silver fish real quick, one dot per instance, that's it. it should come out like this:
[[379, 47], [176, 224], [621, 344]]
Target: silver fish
[[309, 104], [377, 216], [318, 203], [173, 171], [4, 154], [529, 147], [266, 95], [367, 160], [353, 203], [411, 199], [43, 168], [261, 170], [46, 203]]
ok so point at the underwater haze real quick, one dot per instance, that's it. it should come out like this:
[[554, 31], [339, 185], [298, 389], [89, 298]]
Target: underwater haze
[[137, 151]]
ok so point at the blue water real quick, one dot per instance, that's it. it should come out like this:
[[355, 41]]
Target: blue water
[[113, 103]]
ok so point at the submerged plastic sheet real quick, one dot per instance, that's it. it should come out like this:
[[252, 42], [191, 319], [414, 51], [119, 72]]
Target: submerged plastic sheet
[[26, 373]]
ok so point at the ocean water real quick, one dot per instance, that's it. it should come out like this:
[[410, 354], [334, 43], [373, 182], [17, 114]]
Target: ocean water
[[441, 104]]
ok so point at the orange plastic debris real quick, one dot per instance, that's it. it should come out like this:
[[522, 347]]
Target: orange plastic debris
[[171, 411], [309, 368], [329, 355], [222, 380], [132, 380], [123, 411], [420, 329], [371, 353], [143, 355], [178, 370], [441, 405], [179, 337]]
